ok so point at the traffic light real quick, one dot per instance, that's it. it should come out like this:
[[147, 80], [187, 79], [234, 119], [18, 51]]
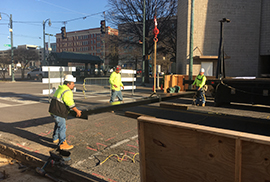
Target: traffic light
[[63, 32], [102, 26]]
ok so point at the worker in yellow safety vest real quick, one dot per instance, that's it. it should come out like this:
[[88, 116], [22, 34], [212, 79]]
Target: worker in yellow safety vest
[[116, 84], [62, 102], [199, 82]]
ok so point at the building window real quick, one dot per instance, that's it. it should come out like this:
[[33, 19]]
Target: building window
[[84, 36], [94, 41], [91, 47], [98, 44], [85, 49], [98, 50], [85, 42]]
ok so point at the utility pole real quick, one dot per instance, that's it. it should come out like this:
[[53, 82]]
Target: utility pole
[[104, 50], [11, 44], [191, 43]]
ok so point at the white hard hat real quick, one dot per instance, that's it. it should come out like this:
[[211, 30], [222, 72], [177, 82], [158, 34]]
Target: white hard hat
[[202, 70], [69, 78]]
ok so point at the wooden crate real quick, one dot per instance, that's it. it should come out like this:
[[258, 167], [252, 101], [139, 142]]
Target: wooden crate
[[173, 80], [181, 152]]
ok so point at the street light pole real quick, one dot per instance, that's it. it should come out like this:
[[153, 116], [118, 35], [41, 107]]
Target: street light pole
[[44, 22], [191, 44], [11, 44], [220, 74]]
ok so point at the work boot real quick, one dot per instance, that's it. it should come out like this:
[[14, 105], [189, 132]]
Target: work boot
[[203, 104], [197, 104], [65, 146], [56, 141]]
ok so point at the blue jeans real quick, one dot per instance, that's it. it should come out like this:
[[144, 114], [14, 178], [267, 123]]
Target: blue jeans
[[116, 94], [59, 129], [200, 95]]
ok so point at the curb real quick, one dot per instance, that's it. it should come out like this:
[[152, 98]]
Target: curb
[[66, 173]]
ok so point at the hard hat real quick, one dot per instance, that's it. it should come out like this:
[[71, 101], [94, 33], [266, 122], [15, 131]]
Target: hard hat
[[69, 78], [118, 67], [202, 70]]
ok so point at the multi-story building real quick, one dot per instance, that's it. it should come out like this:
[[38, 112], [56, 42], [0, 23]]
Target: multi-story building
[[89, 41], [246, 37], [31, 63]]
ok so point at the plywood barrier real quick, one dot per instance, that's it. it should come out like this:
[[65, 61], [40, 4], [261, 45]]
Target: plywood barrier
[[181, 152]]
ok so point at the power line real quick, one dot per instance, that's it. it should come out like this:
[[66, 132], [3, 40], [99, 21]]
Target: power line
[[62, 7], [21, 35], [83, 17], [63, 21]]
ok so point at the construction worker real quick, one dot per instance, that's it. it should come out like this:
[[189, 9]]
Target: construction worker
[[116, 84], [61, 103], [199, 82]]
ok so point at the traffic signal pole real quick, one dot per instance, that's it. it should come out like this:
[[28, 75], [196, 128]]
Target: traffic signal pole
[[103, 31]]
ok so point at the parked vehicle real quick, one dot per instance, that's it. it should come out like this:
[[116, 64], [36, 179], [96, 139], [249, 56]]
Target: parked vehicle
[[36, 73]]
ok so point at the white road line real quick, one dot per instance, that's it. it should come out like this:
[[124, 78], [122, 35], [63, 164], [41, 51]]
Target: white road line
[[4, 105], [115, 145], [18, 102]]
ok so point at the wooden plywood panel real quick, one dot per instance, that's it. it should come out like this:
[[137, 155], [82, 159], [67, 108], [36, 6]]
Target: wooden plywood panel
[[177, 151], [255, 162], [174, 154]]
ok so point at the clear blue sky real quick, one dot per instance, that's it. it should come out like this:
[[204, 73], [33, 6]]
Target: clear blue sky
[[28, 16]]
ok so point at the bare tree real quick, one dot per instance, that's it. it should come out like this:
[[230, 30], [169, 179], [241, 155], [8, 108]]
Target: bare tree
[[4, 62], [168, 46], [112, 50], [130, 14], [24, 56]]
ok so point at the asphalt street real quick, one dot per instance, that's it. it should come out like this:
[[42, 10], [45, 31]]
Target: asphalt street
[[106, 145]]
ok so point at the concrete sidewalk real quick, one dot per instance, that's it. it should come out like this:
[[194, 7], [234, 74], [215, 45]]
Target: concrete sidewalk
[[26, 130]]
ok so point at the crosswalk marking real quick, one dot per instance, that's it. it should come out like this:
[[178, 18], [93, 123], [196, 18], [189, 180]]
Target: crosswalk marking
[[15, 101], [24, 99]]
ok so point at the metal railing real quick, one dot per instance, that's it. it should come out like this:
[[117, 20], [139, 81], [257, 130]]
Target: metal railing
[[101, 84], [96, 85]]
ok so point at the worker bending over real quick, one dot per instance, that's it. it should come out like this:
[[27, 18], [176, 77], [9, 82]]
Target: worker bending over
[[61, 103], [199, 82]]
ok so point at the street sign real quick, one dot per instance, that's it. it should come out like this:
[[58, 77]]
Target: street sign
[[7, 45]]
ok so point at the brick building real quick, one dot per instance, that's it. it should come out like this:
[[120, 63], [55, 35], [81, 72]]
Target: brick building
[[89, 41], [246, 37]]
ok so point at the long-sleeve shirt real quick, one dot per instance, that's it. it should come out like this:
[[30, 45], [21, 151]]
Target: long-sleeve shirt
[[62, 101], [200, 81], [115, 79]]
